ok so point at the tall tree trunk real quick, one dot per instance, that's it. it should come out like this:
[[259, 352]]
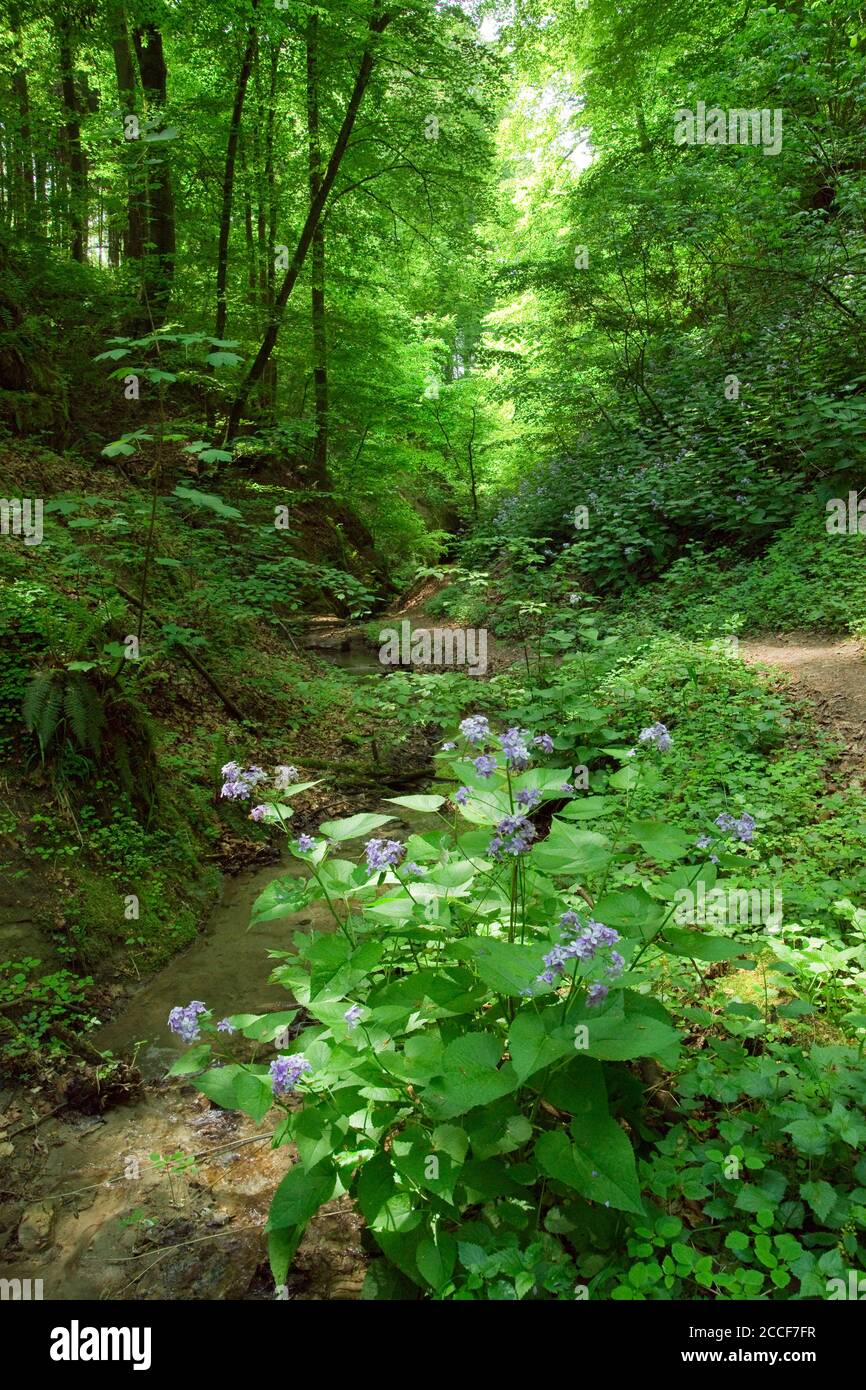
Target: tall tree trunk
[[74, 150], [229, 179], [159, 262], [319, 462], [23, 191], [124, 68], [377, 24]]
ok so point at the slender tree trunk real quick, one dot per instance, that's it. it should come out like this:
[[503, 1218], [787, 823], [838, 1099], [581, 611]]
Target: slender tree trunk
[[377, 24], [74, 150], [319, 462], [124, 68], [22, 189], [159, 261], [229, 179]]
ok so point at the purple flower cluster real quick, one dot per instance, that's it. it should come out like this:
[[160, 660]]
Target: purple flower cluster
[[743, 829], [582, 943], [305, 843], [238, 782], [383, 854], [286, 1072], [517, 754], [544, 742], [461, 796], [514, 834], [475, 729], [485, 765], [529, 797], [657, 733], [225, 1025], [353, 1016], [184, 1021], [284, 776]]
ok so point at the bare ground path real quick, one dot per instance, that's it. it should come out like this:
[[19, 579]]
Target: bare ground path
[[831, 673]]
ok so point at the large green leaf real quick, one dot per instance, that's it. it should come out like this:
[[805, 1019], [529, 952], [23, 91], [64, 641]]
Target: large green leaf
[[353, 827], [299, 1196], [418, 803], [571, 851], [471, 1077], [597, 1161], [506, 966], [536, 1040], [661, 841]]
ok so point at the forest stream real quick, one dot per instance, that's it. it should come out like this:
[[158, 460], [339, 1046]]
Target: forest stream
[[100, 1219]]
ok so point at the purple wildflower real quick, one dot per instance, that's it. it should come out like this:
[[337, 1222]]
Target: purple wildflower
[[529, 797], [184, 1021], [284, 776], [596, 994], [305, 843], [475, 729], [461, 796], [414, 870], [448, 747], [544, 742], [383, 854], [353, 1016], [514, 747], [485, 765], [657, 733], [286, 1071], [225, 1025], [258, 813], [514, 835]]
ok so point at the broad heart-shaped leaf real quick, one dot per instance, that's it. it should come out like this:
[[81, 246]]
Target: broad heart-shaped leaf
[[586, 807], [237, 1088], [578, 1087], [699, 945], [470, 1077], [418, 803], [535, 1040], [265, 1027], [631, 910], [821, 1198], [195, 1060], [353, 827], [630, 1025], [597, 1147], [571, 852], [547, 780], [282, 898], [662, 842], [299, 1196], [506, 966], [208, 500]]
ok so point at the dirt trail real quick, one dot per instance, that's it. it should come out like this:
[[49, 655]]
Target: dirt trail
[[831, 673]]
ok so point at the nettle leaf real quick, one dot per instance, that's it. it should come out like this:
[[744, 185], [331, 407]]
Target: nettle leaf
[[597, 1161], [809, 1135], [820, 1196]]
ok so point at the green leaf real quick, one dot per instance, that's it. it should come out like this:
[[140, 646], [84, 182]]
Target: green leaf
[[506, 966], [353, 827], [223, 359], [195, 1060], [662, 842], [299, 1196], [820, 1196], [535, 1040], [418, 803], [208, 500], [598, 1146], [571, 851], [471, 1077]]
